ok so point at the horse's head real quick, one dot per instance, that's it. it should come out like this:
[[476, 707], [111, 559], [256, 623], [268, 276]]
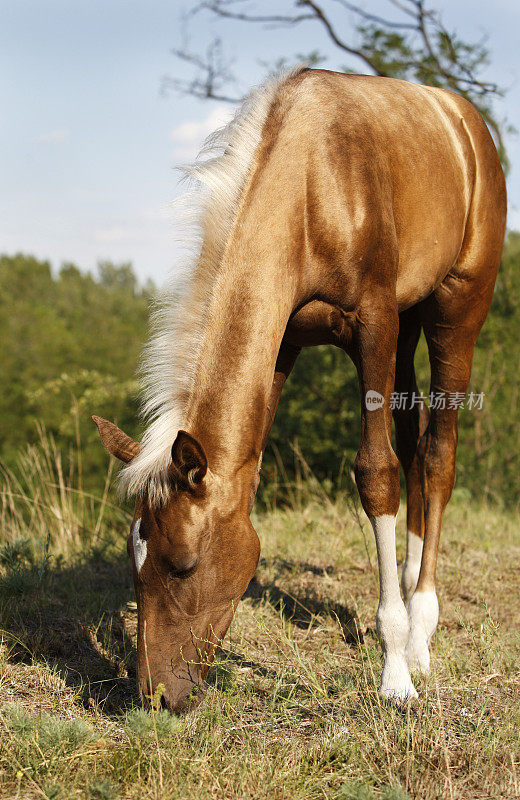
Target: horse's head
[[192, 558]]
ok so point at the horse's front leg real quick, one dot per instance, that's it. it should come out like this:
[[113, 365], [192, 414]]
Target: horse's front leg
[[284, 364], [377, 477]]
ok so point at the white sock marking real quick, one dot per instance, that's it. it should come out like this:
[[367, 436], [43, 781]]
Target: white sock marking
[[139, 546], [391, 618], [412, 564], [424, 614]]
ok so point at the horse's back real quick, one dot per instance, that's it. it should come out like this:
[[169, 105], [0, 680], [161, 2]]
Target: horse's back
[[392, 164]]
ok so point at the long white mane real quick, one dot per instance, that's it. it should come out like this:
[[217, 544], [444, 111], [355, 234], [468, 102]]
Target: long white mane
[[171, 356]]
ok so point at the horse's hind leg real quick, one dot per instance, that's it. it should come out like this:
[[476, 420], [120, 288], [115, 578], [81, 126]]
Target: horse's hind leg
[[411, 420], [377, 476], [452, 318]]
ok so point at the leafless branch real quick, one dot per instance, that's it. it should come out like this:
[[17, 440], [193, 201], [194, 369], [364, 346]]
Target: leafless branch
[[417, 47], [221, 9], [375, 18], [326, 23], [213, 74]]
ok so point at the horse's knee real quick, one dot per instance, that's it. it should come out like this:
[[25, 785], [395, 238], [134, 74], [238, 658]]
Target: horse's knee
[[439, 463], [377, 479]]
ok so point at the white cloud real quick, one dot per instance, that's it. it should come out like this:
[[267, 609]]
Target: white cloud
[[189, 136], [56, 136]]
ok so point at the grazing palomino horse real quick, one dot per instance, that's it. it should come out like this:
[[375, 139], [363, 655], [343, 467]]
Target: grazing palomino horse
[[340, 209]]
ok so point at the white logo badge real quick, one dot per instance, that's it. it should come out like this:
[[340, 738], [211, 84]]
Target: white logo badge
[[374, 400]]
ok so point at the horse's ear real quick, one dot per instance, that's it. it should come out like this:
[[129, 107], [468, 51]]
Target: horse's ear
[[116, 442], [189, 464]]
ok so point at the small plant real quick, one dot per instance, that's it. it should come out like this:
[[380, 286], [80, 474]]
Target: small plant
[[140, 722], [359, 791], [221, 676], [18, 720], [42, 569], [56, 733], [355, 791], [484, 638], [395, 792], [53, 791], [16, 554], [102, 790]]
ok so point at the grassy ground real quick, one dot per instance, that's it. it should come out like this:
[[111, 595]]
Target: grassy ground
[[292, 709]]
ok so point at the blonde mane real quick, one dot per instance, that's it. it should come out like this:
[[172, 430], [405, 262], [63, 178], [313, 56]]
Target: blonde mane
[[171, 356]]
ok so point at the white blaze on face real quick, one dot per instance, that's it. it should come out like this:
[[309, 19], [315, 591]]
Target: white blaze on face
[[139, 546]]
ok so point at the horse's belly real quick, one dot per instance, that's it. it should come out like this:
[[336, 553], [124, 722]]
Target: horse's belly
[[431, 232], [421, 272]]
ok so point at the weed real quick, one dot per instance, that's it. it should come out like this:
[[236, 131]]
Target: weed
[[394, 793], [140, 722], [16, 554], [18, 720], [53, 791], [355, 791], [102, 790], [67, 735]]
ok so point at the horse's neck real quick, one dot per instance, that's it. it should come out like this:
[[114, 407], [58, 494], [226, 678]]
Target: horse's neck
[[244, 327]]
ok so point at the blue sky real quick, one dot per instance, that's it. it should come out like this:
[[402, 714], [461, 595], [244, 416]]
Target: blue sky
[[88, 144]]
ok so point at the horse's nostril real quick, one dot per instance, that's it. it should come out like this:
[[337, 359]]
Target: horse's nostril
[[163, 702]]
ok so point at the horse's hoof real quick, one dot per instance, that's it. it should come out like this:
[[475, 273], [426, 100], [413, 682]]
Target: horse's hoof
[[396, 683]]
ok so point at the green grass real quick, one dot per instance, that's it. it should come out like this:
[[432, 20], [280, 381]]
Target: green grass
[[292, 710]]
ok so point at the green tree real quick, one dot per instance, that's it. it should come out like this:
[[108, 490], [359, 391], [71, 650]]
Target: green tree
[[70, 347]]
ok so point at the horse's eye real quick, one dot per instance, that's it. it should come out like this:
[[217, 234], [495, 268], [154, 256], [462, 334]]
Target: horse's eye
[[184, 570]]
